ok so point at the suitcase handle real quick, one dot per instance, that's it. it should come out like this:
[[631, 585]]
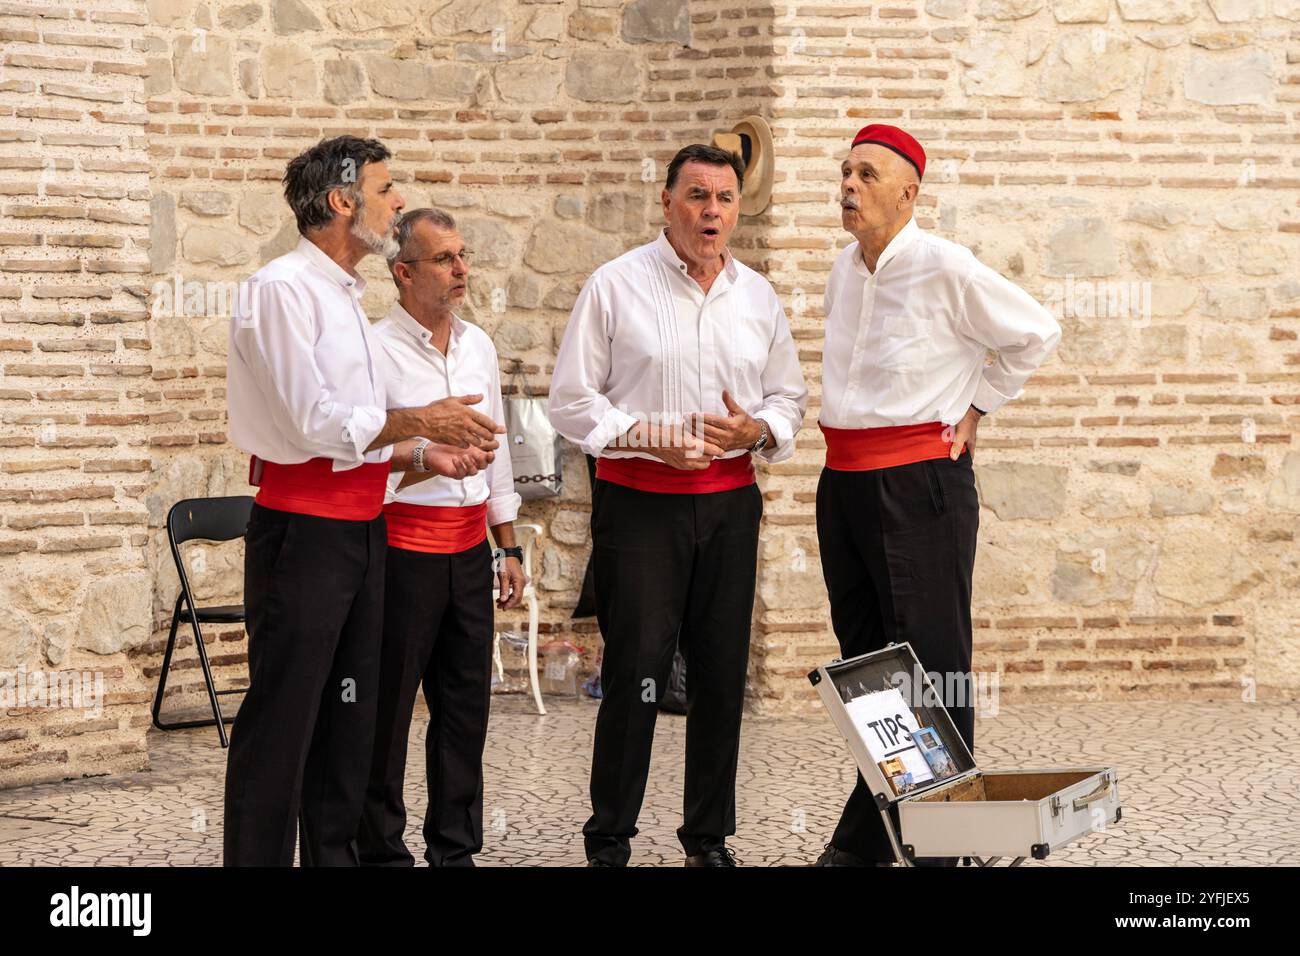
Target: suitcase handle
[[1081, 802]]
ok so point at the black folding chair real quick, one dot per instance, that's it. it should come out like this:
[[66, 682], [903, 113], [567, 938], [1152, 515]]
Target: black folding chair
[[201, 519]]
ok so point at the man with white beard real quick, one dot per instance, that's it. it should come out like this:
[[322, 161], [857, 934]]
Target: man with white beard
[[307, 401]]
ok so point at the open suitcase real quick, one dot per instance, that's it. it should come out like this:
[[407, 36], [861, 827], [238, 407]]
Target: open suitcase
[[913, 759]]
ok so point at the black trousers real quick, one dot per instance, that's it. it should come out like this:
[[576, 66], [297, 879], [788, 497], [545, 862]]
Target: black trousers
[[437, 632], [897, 552], [586, 606], [670, 564], [300, 746]]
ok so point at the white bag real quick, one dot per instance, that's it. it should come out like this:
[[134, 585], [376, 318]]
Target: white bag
[[535, 445]]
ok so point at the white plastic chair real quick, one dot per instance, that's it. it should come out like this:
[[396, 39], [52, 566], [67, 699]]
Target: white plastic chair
[[530, 601]]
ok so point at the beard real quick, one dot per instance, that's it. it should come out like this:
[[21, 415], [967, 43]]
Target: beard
[[381, 244]]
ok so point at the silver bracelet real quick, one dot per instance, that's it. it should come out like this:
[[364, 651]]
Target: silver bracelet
[[417, 456]]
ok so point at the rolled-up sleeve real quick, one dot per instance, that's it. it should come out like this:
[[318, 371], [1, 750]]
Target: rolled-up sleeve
[[997, 314], [363, 427], [785, 394], [578, 408], [279, 352], [503, 501]]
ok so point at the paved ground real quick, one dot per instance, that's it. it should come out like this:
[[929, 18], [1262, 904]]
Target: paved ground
[[1203, 784]]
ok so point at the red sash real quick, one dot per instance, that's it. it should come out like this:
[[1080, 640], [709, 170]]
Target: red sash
[[435, 529], [315, 488], [723, 474], [866, 449]]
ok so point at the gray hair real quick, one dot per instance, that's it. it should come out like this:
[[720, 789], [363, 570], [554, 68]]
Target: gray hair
[[406, 228], [330, 164]]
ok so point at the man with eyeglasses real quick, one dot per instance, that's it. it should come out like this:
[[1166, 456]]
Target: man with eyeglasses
[[438, 588]]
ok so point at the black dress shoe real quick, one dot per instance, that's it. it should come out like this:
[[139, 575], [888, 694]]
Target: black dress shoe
[[598, 863], [834, 857], [720, 857]]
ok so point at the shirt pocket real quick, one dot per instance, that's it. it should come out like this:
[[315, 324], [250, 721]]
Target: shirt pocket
[[906, 340]]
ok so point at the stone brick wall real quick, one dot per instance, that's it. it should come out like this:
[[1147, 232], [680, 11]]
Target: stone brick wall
[[538, 125], [77, 400], [541, 126], [1139, 503]]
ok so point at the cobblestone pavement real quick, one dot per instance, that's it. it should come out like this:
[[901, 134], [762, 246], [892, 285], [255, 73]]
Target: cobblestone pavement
[[1202, 784]]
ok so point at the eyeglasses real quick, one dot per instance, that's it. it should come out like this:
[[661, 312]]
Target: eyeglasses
[[445, 260]]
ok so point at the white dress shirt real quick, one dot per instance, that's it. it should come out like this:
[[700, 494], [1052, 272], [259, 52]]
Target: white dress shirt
[[908, 344], [301, 378], [418, 374], [645, 340]]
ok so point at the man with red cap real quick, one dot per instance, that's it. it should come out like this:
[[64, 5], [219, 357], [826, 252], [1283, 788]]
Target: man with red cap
[[911, 320]]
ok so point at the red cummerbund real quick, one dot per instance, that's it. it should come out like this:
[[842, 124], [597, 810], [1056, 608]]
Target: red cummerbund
[[435, 529], [723, 474], [866, 449], [315, 488]]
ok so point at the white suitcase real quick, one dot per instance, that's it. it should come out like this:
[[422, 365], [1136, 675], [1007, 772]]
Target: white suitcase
[[893, 718]]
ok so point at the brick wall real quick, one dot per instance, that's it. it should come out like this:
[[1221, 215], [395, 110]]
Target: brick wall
[[76, 398], [532, 123], [1139, 503]]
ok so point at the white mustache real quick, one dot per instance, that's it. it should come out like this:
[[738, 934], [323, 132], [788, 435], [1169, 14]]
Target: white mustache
[[849, 202]]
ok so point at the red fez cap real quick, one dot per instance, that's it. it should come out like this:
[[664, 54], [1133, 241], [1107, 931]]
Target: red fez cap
[[900, 141]]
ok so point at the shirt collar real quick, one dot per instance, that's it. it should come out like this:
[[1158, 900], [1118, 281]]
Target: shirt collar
[[407, 323], [316, 256], [902, 239], [670, 256]]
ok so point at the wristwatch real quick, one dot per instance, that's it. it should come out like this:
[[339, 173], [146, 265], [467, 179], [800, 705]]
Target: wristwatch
[[500, 553], [764, 436], [417, 456], [979, 411]]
